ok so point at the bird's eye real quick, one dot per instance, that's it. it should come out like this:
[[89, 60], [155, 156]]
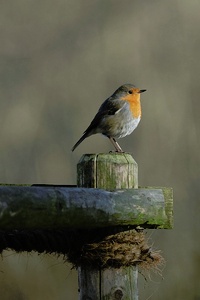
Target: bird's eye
[[130, 92]]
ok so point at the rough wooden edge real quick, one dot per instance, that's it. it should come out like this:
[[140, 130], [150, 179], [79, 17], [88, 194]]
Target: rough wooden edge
[[168, 196]]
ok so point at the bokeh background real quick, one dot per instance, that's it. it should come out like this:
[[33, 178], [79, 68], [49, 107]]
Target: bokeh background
[[58, 61]]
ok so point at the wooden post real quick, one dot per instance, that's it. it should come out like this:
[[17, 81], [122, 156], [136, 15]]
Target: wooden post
[[90, 224], [108, 171]]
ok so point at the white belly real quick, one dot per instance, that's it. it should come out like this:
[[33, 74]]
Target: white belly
[[127, 128]]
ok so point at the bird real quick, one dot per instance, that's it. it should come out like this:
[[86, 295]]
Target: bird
[[117, 117]]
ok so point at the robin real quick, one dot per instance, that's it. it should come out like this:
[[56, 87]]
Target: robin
[[118, 115]]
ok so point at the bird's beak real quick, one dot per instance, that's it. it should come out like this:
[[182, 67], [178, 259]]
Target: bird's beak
[[142, 91]]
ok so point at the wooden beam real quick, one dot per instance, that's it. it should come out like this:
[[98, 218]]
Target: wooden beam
[[31, 207]]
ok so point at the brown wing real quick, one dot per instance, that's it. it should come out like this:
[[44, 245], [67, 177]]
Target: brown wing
[[109, 107]]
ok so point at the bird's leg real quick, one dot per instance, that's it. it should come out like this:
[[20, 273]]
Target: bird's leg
[[115, 144]]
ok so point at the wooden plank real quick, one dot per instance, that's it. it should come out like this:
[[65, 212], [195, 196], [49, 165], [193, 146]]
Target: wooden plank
[[48, 207]]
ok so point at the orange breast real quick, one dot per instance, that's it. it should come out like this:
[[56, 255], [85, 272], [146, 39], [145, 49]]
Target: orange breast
[[135, 106]]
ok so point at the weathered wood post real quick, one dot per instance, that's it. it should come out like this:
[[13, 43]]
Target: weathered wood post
[[93, 224], [108, 171]]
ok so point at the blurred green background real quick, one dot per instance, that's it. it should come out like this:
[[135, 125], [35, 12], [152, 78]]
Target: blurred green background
[[58, 61]]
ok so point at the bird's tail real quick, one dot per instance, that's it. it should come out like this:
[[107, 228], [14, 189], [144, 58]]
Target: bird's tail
[[80, 140]]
